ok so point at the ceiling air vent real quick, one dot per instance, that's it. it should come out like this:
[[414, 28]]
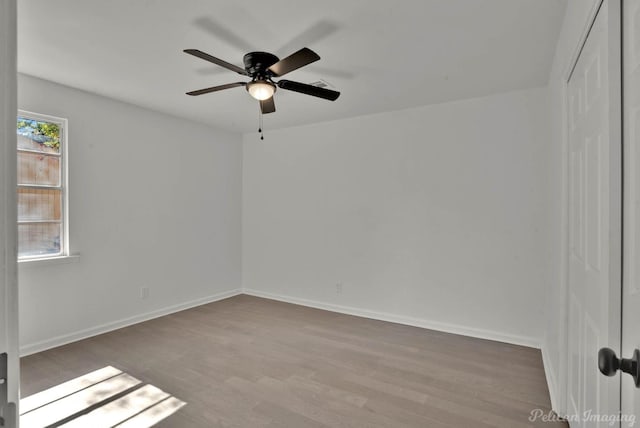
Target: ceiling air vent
[[322, 84]]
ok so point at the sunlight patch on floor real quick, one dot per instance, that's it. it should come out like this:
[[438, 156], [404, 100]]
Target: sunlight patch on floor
[[155, 414], [103, 398], [34, 401]]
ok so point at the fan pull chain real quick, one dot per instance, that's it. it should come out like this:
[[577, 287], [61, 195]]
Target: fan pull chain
[[260, 124]]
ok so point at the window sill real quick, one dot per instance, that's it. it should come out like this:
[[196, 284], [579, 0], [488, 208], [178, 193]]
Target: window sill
[[48, 261]]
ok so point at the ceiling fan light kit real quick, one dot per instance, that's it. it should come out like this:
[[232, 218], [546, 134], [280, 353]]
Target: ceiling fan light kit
[[261, 89]]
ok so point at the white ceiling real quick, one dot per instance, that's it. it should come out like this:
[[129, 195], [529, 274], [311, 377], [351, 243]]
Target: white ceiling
[[382, 55]]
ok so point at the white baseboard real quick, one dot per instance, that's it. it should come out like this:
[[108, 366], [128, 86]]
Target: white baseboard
[[551, 379], [365, 313], [400, 319], [104, 328]]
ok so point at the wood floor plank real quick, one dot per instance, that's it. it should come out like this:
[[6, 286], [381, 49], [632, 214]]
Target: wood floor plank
[[251, 362]]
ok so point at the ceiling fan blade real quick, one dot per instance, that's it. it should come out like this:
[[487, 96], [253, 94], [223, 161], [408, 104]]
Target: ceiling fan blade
[[216, 88], [311, 36], [219, 31], [218, 61], [267, 106], [294, 61], [314, 91]]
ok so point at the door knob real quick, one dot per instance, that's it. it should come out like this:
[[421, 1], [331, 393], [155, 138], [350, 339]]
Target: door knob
[[609, 364]]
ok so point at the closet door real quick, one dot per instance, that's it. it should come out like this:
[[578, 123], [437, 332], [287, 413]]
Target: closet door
[[595, 167]]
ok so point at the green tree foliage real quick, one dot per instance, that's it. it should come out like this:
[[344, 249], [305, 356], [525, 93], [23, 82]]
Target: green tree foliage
[[45, 133]]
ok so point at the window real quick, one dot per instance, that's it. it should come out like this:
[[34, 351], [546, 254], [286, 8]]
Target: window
[[42, 188]]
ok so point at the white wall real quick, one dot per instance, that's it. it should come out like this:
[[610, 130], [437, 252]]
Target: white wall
[[155, 201], [574, 25], [435, 216]]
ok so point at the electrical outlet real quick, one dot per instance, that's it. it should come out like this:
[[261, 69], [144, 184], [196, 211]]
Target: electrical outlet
[[339, 288], [144, 292]]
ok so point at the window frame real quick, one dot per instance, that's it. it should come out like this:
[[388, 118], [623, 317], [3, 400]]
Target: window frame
[[63, 123]]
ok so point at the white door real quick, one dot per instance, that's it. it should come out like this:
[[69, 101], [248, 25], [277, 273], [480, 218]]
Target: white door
[[594, 122], [9, 363], [631, 137]]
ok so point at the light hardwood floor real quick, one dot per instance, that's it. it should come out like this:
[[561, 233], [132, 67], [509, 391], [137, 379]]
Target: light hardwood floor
[[251, 362]]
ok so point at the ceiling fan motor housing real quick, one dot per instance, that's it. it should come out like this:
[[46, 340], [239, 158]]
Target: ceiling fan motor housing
[[256, 63]]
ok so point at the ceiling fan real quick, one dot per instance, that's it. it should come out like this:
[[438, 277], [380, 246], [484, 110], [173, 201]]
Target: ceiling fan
[[262, 67]]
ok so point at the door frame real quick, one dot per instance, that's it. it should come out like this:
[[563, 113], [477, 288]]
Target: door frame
[[615, 133], [8, 212]]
